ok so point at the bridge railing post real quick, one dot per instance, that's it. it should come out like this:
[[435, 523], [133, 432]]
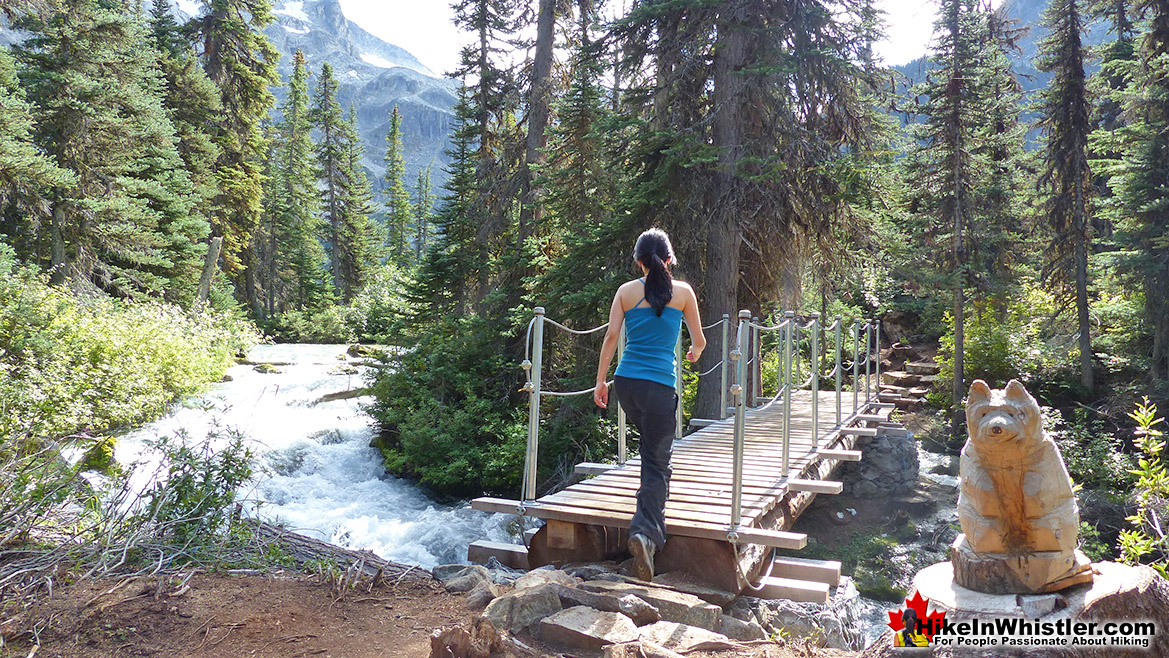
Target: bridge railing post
[[678, 387], [856, 365], [739, 392], [839, 367], [787, 388], [530, 459], [622, 431], [815, 364], [726, 357], [756, 366], [868, 359], [877, 328]]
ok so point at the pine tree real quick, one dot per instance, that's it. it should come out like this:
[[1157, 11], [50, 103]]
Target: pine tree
[[1067, 176], [941, 168], [423, 214], [298, 224], [331, 158], [361, 241], [241, 61], [28, 176], [1142, 181], [398, 209], [126, 224]]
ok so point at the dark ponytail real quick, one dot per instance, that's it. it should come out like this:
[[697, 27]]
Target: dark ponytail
[[653, 249]]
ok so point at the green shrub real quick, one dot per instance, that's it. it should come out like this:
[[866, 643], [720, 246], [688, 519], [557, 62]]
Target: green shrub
[[377, 310], [70, 365], [1095, 457], [331, 325], [1147, 540]]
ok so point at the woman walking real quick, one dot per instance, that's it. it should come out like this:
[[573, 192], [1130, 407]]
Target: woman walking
[[652, 309]]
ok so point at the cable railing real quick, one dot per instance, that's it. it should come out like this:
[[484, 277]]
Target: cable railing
[[740, 368]]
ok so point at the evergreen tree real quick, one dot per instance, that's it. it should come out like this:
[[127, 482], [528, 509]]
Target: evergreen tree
[[241, 61], [941, 168], [1142, 182], [1067, 177], [28, 176], [360, 240], [297, 220], [126, 224], [332, 155], [423, 214], [398, 210]]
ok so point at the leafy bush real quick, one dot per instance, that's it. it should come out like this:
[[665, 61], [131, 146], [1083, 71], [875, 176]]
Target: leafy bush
[[377, 310], [331, 325], [71, 365], [1148, 540], [1094, 456]]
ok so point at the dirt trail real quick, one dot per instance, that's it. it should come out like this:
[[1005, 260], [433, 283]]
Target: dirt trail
[[228, 617]]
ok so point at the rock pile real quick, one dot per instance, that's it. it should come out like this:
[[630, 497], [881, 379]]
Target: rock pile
[[593, 607], [888, 466]]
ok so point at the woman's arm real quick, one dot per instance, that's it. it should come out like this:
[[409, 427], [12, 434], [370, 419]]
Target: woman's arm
[[608, 349], [694, 325]]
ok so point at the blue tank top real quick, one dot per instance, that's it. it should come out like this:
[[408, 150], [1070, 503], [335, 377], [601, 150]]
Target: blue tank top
[[650, 342]]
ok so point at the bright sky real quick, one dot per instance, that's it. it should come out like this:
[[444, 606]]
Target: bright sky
[[423, 28]]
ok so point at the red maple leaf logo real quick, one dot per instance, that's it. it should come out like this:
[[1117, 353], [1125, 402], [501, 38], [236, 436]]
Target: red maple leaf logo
[[931, 621]]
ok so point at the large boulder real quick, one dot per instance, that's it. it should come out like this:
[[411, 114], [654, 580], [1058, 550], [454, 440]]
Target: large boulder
[[685, 639], [673, 606], [585, 628], [640, 612], [539, 577], [521, 608], [833, 624]]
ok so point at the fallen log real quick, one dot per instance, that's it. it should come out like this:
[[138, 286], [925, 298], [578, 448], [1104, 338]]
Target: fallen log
[[302, 550]]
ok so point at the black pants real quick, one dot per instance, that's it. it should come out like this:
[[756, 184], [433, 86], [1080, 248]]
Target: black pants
[[650, 406]]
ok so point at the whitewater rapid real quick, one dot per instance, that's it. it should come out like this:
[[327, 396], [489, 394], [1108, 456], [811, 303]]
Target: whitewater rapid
[[319, 476]]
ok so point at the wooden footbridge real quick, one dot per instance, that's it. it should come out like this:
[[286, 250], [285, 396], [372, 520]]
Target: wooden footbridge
[[739, 481]]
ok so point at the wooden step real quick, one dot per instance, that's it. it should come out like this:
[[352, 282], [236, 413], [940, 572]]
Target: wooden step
[[881, 405], [872, 418], [899, 378], [802, 591], [923, 367], [897, 432], [509, 555], [815, 486], [699, 529], [858, 431], [842, 455], [592, 468], [802, 568]]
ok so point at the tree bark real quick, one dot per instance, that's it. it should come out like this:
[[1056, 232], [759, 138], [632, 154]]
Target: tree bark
[[57, 248], [214, 247], [724, 238], [538, 111]]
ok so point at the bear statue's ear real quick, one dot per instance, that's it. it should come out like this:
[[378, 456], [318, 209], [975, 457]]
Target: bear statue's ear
[[1016, 393], [979, 393]]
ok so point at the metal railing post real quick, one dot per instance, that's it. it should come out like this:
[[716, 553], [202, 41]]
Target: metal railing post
[[815, 365], [856, 364], [787, 389], [796, 329], [756, 367], [678, 387], [877, 326], [726, 354], [868, 359], [534, 407], [740, 417], [622, 432], [839, 367]]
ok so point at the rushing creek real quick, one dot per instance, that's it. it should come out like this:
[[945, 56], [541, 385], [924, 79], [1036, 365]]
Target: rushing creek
[[320, 477]]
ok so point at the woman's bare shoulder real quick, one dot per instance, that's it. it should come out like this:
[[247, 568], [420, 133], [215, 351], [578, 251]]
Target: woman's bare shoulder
[[686, 288]]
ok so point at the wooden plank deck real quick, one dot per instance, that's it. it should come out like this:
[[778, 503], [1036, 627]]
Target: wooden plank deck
[[700, 488]]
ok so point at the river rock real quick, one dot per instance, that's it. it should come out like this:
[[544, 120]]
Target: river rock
[[587, 571], [737, 629], [467, 579], [682, 582], [684, 639], [481, 596], [585, 628], [888, 466], [833, 624], [445, 572], [673, 606], [637, 610], [539, 577], [521, 608]]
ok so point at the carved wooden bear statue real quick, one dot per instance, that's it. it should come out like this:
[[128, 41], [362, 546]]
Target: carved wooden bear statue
[[1016, 506]]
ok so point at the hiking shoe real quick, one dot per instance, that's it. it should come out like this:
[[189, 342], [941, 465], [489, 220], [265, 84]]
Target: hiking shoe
[[643, 557]]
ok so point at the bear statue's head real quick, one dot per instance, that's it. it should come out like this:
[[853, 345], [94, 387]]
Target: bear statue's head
[[1002, 416]]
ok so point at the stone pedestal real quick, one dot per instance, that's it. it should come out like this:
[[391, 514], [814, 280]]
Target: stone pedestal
[[1030, 573]]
